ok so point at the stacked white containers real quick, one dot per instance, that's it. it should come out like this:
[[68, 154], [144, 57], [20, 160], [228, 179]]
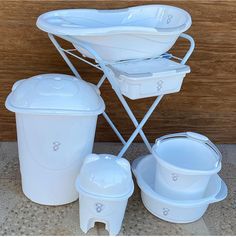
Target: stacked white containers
[[185, 162], [56, 119], [167, 207], [179, 180], [104, 185]]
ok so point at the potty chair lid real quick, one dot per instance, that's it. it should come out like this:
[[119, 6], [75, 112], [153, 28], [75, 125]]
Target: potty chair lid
[[55, 94], [105, 176]]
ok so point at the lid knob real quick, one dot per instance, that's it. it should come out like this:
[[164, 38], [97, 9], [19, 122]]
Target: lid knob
[[106, 176]]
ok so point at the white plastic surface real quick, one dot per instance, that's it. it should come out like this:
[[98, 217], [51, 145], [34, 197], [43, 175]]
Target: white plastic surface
[[170, 209], [185, 164], [51, 144], [135, 32], [104, 185], [55, 94], [106, 176], [146, 78], [96, 209], [51, 151]]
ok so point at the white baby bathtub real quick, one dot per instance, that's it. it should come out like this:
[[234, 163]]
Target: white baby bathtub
[[129, 33]]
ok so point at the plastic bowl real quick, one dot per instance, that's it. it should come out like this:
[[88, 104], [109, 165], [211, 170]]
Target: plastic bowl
[[169, 209]]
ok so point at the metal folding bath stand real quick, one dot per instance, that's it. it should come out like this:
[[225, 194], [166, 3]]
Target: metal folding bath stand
[[104, 66]]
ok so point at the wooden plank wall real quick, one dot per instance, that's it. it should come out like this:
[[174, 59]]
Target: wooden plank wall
[[207, 102]]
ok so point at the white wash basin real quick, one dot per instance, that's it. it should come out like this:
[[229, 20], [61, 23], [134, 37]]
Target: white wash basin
[[129, 33]]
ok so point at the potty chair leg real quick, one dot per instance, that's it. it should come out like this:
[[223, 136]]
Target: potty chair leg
[[113, 225], [86, 223]]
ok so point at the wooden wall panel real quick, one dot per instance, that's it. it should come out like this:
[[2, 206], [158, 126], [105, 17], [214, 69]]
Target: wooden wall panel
[[207, 102]]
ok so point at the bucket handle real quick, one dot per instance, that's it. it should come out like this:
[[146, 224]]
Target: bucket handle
[[194, 136]]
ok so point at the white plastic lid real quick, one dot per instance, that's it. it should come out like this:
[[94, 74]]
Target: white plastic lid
[[149, 68], [55, 94], [105, 175]]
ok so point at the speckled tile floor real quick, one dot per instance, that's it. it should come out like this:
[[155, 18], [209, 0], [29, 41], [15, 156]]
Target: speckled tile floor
[[19, 216]]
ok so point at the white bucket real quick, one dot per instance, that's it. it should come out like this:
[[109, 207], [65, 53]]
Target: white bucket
[[56, 118], [185, 164], [168, 208], [104, 185]]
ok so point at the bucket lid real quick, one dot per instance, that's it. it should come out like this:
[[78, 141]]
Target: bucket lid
[[189, 153], [55, 94], [105, 175]]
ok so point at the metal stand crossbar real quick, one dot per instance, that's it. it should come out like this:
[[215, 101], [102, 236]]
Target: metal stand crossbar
[[103, 66]]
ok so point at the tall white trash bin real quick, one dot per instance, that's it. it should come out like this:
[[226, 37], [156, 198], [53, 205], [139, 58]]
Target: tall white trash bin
[[56, 118], [104, 185]]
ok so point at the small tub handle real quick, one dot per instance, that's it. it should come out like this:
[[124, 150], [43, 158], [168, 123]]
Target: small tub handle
[[222, 194], [194, 136]]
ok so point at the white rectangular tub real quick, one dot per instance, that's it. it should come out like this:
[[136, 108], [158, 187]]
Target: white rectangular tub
[[148, 78]]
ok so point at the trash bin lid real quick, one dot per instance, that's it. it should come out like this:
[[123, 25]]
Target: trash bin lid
[[105, 176], [55, 94]]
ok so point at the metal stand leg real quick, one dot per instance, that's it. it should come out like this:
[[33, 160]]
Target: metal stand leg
[[113, 82], [103, 78], [58, 47], [128, 110], [139, 127], [73, 69], [123, 101], [114, 128], [115, 86], [134, 120]]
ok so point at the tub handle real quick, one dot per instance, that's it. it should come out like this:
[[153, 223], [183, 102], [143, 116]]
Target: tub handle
[[222, 194], [194, 136]]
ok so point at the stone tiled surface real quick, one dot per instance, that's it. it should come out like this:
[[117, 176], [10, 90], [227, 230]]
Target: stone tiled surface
[[20, 216], [220, 218]]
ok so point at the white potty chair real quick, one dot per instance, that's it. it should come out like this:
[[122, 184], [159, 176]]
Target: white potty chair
[[104, 185]]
